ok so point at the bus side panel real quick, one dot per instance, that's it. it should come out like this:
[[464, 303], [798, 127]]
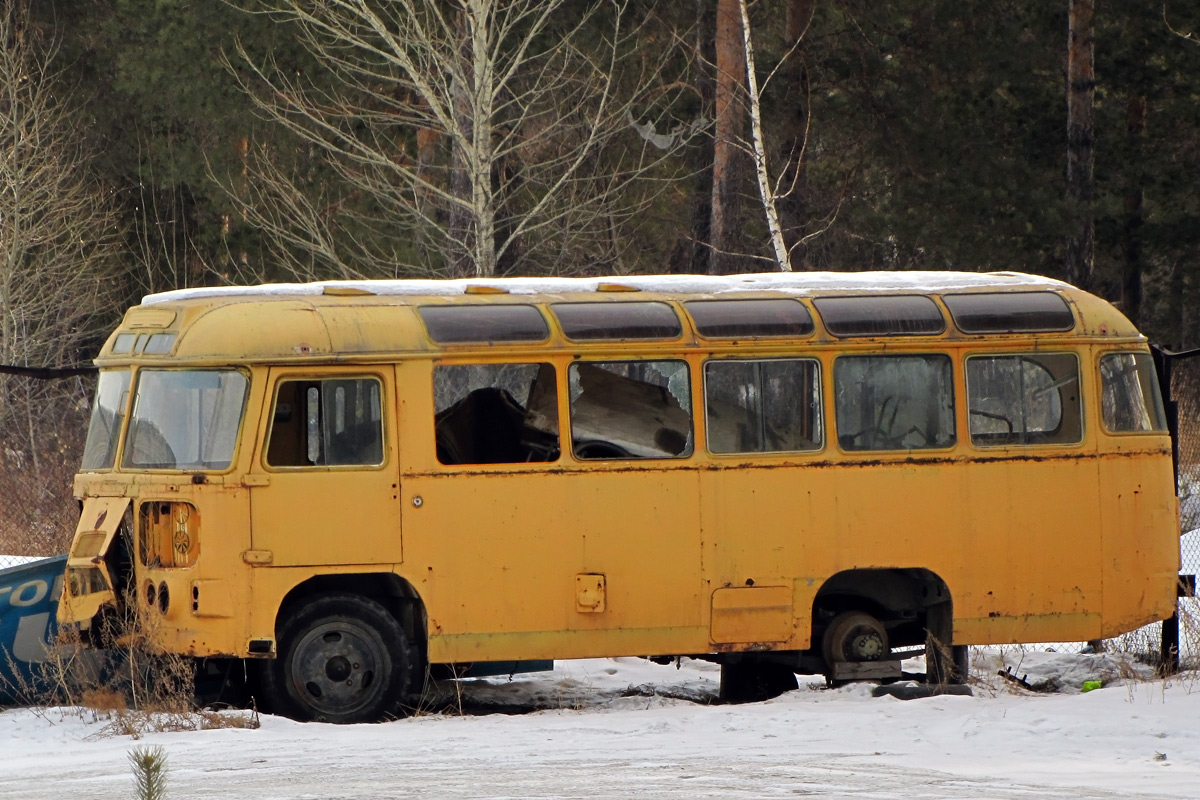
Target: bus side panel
[[555, 564], [1140, 540], [1021, 560], [1029, 557], [759, 532], [798, 526]]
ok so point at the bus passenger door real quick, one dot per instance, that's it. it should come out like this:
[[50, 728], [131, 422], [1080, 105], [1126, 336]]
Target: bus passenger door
[[325, 484]]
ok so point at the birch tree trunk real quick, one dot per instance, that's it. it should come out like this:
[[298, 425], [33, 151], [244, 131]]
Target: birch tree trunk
[[1132, 268], [765, 191], [1137, 75]]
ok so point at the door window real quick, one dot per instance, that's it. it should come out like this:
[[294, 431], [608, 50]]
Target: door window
[[332, 422]]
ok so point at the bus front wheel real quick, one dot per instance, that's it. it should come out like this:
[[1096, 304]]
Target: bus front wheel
[[341, 659]]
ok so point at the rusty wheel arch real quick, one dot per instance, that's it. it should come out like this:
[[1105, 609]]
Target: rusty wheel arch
[[907, 600], [396, 595]]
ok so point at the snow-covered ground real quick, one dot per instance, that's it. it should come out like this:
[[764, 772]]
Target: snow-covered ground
[[618, 728]]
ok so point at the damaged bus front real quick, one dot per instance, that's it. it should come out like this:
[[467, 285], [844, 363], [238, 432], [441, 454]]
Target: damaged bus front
[[181, 435]]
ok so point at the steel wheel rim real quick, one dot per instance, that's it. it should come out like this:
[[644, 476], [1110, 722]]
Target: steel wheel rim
[[863, 643], [855, 638], [339, 668]]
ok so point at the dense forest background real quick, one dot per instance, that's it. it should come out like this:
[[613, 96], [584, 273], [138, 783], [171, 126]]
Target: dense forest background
[[147, 145], [244, 142]]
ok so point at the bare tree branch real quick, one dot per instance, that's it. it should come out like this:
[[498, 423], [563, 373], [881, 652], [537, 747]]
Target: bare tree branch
[[1190, 36], [57, 231], [465, 137], [59, 278]]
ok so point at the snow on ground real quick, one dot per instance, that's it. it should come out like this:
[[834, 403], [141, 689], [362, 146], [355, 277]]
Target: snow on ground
[[618, 728]]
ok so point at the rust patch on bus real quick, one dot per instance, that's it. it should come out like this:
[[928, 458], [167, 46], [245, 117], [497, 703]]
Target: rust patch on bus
[[639, 466], [744, 647]]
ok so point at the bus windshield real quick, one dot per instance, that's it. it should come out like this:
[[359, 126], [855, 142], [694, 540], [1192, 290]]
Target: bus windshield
[[185, 419], [108, 412]]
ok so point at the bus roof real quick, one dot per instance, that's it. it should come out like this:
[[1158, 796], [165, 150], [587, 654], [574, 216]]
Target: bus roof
[[801, 283], [371, 319]]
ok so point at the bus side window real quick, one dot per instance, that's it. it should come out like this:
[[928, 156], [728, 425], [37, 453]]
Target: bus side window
[[1131, 401], [903, 402], [1024, 399], [335, 422], [495, 413], [771, 406], [630, 409]]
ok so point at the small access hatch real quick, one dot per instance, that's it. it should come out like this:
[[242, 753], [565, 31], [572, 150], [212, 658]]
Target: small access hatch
[[590, 593], [744, 615]]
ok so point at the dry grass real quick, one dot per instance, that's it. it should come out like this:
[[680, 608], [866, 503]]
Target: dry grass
[[131, 688]]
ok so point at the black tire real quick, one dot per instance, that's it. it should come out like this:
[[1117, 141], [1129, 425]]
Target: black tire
[[341, 659], [751, 681]]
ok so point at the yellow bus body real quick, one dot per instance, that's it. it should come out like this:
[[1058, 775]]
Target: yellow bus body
[[707, 553]]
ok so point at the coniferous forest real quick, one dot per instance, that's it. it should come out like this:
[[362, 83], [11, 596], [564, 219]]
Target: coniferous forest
[[147, 145], [155, 144]]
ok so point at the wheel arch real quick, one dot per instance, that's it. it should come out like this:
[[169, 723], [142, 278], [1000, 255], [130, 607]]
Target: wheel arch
[[910, 601], [387, 588]]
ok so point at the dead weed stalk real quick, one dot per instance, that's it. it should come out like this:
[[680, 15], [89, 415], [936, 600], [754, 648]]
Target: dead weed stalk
[[130, 685]]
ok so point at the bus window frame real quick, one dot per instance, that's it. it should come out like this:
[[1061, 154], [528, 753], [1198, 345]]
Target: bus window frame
[[557, 371], [820, 415], [124, 447], [952, 357], [283, 375], [568, 439], [1099, 395], [116, 435], [1030, 354]]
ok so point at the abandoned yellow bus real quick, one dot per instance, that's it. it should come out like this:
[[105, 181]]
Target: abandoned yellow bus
[[345, 483]]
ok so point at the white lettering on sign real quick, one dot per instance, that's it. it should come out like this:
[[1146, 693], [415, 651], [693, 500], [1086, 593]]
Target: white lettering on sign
[[29, 644], [23, 598]]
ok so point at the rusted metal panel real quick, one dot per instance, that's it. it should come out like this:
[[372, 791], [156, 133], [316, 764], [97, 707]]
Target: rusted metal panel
[[467, 648], [752, 614], [519, 538], [90, 582], [211, 598]]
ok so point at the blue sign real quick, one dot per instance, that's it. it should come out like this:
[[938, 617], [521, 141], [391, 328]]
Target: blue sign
[[28, 604]]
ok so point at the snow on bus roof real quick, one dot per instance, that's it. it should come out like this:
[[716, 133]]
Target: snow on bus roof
[[797, 283]]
